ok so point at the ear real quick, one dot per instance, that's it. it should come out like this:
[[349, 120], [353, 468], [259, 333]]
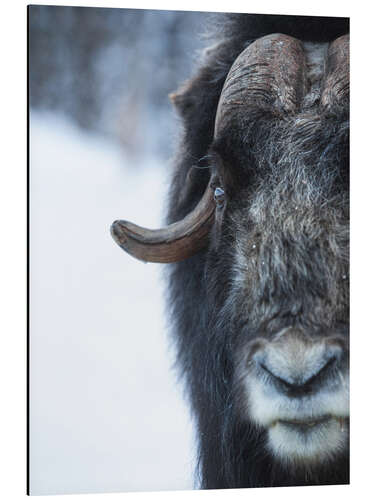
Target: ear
[[200, 93], [182, 99], [196, 103]]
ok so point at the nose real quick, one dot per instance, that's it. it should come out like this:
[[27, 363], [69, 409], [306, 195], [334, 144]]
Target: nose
[[298, 365]]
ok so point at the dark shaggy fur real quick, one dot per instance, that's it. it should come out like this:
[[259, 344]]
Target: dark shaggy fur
[[278, 254]]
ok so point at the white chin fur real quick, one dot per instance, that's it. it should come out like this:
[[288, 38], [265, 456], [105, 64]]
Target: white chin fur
[[315, 445], [295, 445], [266, 406]]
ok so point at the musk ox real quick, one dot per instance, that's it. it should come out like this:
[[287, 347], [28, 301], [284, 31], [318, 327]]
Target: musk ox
[[258, 241]]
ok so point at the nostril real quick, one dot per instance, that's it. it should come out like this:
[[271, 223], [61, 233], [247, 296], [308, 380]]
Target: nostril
[[273, 375], [299, 379], [321, 373], [279, 380], [296, 363]]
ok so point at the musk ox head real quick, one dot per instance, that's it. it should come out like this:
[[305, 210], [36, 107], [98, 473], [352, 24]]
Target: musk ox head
[[272, 229]]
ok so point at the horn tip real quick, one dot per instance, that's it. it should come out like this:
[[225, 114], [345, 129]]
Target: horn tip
[[119, 232]]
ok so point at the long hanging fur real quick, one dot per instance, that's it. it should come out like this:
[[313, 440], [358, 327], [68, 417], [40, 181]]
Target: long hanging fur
[[285, 166]]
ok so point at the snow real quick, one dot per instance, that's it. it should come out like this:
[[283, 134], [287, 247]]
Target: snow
[[106, 411]]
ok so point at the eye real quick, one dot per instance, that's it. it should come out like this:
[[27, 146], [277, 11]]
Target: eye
[[219, 197]]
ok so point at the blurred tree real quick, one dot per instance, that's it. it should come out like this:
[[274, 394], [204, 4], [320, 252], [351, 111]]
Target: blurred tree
[[111, 70]]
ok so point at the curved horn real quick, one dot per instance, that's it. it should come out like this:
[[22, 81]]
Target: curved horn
[[271, 69], [336, 85], [271, 72], [176, 242]]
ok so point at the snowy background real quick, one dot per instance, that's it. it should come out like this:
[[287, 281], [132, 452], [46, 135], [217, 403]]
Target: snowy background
[[106, 410]]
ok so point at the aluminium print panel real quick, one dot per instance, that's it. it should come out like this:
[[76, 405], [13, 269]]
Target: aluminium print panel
[[224, 362]]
